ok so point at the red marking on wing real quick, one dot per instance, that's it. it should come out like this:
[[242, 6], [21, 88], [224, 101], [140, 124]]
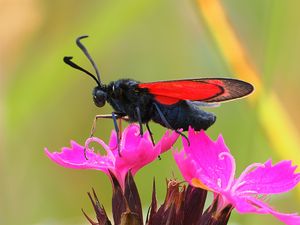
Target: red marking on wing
[[203, 89], [166, 100], [170, 92]]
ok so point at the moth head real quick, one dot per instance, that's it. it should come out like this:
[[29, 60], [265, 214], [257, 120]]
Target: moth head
[[99, 96]]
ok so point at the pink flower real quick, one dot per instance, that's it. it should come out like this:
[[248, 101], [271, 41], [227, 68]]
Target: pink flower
[[136, 152], [209, 165]]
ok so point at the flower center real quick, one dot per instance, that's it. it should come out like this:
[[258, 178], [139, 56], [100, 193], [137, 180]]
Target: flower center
[[198, 183]]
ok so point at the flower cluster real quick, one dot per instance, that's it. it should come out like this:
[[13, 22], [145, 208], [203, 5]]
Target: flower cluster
[[205, 164], [135, 152], [209, 165]]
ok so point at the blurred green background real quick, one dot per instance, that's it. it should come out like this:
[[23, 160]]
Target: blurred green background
[[45, 103]]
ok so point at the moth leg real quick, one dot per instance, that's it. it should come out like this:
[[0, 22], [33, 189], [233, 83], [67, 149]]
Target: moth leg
[[138, 112], [151, 134], [103, 116], [120, 126], [165, 121], [114, 116], [106, 116]]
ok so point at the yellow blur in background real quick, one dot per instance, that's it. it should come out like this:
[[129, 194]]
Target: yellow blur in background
[[45, 103]]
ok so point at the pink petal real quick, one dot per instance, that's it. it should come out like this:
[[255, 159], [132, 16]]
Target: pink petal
[[131, 136], [253, 205], [74, 158], [270, 179], [113, 143], [136, 151], [215, 165], [290, 219], [135, 159], [168, 140], [186, 165]]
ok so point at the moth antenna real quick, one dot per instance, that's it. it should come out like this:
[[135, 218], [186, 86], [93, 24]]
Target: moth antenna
[[87, 54], [68, 60]]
